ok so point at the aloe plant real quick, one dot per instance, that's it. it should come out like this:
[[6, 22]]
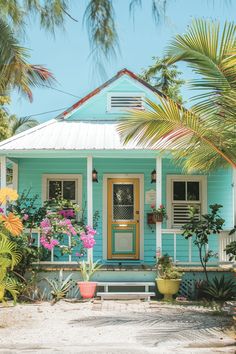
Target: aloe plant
[[221, 289], [60, 287], [88, 269]]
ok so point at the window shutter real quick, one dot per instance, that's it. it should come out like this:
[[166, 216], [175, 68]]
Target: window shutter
[[181, 213]]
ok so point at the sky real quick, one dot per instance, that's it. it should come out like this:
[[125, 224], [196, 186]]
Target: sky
[[67, 54]]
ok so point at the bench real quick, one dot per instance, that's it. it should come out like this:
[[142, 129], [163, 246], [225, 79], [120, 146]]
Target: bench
[[126, 294]]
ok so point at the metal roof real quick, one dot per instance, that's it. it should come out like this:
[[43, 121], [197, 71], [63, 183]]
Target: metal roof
[[68, 135]]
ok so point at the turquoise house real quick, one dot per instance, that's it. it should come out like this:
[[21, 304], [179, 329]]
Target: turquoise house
[[82, 143]]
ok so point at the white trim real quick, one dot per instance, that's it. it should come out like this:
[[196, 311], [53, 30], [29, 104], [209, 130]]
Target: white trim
[[15, 176], [89, 200], [234, 197], [3, 171], [104, 216], [123, 94], [63, 177], [158, 202], [203, 192], [3, 174]]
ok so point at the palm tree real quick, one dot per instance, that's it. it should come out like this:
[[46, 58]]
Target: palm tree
[[99, 18], [15, 71], [18, 125], [203, 137], [165, 77]]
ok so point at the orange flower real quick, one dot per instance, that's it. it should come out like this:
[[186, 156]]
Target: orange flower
[[12, 223], [7, 194]]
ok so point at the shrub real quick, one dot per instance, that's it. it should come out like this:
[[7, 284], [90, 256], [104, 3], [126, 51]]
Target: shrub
[[220, 289]]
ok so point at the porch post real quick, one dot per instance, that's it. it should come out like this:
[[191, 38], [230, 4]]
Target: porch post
[[3, 172], [15, 176], [234, 196], [90, 200], [158, 203]]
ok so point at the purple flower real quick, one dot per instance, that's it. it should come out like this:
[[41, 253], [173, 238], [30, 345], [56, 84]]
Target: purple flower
[[25, 217]]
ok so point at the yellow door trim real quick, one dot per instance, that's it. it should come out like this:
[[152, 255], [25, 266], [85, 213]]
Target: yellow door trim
[[122, 224]]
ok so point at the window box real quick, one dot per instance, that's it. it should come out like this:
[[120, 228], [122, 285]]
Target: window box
[[154, 218]]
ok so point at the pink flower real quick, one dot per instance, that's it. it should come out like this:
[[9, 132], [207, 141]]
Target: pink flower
[[79, 254], [45, 223], [153, 206], [48, 244], [87, 240], [162, 206], [90, 230], [25, 217], [67, 213]]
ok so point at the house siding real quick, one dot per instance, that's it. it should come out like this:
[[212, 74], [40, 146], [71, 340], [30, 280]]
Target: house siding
[[219, 190]]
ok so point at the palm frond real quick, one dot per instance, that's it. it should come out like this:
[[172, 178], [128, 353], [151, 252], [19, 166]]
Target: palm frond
[[210, 53], [18, 125], [168, 126], [15, 71]]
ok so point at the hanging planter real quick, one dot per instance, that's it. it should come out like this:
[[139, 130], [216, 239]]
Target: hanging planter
[[157, 215], [153, 218]]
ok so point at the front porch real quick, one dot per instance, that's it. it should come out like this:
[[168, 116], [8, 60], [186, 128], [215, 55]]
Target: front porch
[[36, 172]]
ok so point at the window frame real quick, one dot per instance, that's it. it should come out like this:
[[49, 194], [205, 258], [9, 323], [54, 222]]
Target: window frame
[[170, 179], [125, 94], [62, 177]]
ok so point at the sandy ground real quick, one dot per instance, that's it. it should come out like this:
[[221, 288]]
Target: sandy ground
[[112, 327]]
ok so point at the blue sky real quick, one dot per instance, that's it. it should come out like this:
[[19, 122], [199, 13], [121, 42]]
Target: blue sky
[[67, 54]]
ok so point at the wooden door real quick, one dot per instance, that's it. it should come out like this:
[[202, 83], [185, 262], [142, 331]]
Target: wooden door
[[123, 211]]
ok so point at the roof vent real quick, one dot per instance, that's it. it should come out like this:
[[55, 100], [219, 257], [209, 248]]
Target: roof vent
[[121, 101]]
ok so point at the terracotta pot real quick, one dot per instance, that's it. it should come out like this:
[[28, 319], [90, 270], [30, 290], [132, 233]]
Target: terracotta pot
[[168, 287], [87, 289]]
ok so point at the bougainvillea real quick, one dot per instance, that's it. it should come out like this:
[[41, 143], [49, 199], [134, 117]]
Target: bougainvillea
[[87, 237], [61, 229]]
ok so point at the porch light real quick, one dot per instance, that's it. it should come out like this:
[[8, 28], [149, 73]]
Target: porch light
[[153, 176], [94, 176]]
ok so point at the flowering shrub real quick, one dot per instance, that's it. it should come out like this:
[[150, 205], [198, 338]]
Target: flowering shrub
[[9, 222], [60, 222], [87, 237], [159, 211]]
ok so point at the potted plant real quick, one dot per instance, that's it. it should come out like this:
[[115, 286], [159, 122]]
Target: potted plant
[[86, 287], [169, 278], [157, 215]]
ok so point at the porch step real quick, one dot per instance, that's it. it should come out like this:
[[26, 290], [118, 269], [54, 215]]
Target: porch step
[[106, 285], [126, 295]]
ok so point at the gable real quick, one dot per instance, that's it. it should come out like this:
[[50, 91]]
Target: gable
[[126, 91]]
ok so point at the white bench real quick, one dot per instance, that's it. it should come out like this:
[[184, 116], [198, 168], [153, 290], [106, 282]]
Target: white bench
[[126, 295]]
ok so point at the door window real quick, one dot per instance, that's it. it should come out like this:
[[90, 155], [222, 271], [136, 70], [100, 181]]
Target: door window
[[123, 202]]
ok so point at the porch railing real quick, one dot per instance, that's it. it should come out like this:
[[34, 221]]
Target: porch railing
[[35, 233], [171, 246], [224, 240], [181, 250]]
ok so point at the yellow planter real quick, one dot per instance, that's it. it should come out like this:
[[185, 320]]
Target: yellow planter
[[168, 287], [2, 292]]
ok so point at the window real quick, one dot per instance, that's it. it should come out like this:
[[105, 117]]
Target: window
[[182, 192], [122, 101], [68, 186]]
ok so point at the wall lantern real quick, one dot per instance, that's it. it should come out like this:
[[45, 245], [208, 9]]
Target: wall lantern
[[153, 176], [95, 176]]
